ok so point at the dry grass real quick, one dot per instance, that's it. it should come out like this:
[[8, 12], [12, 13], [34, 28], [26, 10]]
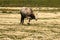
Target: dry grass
[[46, 28]]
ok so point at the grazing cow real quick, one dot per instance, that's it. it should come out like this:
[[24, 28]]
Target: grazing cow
[[26, 13]]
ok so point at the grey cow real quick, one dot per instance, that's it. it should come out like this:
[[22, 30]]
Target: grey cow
[[26, 13]]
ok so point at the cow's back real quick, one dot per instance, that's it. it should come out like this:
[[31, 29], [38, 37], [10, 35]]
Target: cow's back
[[26, 10]]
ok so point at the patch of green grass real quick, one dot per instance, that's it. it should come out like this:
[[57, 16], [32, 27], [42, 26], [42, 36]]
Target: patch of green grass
[[45, 3]]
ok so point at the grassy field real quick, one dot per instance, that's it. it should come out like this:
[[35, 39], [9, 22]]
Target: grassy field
[[30, 3], [47, 27]]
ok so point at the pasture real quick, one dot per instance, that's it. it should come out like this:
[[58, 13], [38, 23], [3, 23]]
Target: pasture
[[47, 27]]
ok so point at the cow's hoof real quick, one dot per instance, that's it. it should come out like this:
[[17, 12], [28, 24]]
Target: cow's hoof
[[21, 23], [28, 23]]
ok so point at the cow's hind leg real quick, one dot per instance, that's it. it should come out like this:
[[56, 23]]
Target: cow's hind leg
[[22, 20]]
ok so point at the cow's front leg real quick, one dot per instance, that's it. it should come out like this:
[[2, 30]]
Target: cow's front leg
[[29, 21]]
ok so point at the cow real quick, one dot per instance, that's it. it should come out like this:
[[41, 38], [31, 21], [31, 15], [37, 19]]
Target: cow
[[27, 13]]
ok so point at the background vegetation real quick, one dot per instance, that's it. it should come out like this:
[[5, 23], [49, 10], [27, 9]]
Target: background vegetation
[[33, 3]]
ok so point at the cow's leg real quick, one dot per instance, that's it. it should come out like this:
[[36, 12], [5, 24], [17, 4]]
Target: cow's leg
[[22, 20], [29, 20], [22, 17]]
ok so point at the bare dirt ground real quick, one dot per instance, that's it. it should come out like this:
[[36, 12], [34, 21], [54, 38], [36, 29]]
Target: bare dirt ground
[[47, 27]]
